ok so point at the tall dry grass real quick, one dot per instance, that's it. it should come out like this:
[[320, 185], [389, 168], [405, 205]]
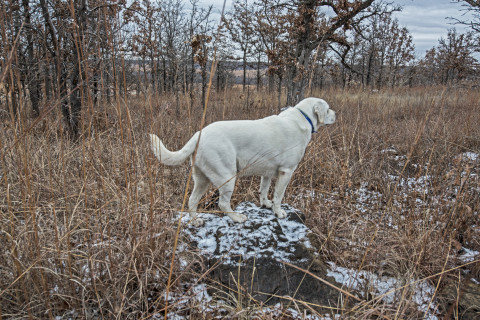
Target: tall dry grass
[[87, 225]]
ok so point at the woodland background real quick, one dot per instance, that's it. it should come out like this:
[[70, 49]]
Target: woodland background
[[87, 215], [82, 53]]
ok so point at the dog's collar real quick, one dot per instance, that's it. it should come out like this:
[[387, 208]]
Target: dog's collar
[[308, 119]]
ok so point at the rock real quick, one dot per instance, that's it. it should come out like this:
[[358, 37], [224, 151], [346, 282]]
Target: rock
[[465, 300], [250, 256], [460, 303]]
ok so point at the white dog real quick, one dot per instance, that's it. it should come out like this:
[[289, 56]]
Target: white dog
[[270, 147]]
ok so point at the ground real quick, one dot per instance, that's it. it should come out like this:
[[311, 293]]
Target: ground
[[389, 194]]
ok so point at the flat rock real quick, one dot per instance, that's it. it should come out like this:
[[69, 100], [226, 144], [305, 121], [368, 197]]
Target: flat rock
[[251, 256], [464, 300]]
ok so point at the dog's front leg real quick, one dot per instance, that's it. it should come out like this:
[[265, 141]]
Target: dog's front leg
[[264, 186], [283, 178]]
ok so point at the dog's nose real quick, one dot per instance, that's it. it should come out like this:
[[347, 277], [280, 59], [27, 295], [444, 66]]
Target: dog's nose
[[331, 117]]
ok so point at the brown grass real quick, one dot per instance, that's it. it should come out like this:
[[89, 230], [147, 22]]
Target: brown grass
[[87, 226]]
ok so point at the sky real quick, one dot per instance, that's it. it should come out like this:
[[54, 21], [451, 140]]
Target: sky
[[427, 20]]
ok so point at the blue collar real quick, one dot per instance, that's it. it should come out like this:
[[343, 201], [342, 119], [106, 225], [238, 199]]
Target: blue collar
[[308, 119]]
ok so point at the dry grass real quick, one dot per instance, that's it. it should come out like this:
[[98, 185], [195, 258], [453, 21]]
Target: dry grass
[[87, 228]]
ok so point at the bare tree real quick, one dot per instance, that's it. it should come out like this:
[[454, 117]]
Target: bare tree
[[197, 27], [272, 26], [376, 50], [10, 33], [449, 62], [32, 81], [145, 41], [455, 56], [310, 28], [241, 29], [399, 51], [472, 6]]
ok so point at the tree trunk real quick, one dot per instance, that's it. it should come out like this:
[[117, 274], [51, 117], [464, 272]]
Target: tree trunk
[[279, 92], [33, 82], [47, 80], [244, 83], [204, 83], [297, 71], [369, 67], [153, 73], [164, 65], [298, 78], [72, 112], [380, 72], [258, 72]]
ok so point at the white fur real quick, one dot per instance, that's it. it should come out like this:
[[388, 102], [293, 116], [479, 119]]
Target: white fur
[[270, 147]]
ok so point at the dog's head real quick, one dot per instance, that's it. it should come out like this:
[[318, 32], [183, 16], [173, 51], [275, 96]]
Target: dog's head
[[318, 108], [324, 114]]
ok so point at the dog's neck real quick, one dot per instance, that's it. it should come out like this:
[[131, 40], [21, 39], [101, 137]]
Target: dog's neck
[[309, 120]]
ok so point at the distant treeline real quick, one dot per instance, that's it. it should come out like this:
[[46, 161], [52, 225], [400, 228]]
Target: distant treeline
[[86, 52]]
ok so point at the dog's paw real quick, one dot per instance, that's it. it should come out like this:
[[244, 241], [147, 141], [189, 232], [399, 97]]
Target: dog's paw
[[281, 214], [238, 217], [197, 222], [267, 204]]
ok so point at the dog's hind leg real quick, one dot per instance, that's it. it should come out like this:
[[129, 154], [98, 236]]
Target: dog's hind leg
[[201, 184], [264, 186], [226, 191]]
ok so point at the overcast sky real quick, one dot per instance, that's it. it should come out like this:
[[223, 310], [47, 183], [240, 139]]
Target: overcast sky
[[426, 19]]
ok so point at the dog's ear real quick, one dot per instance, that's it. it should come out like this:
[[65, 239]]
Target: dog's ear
[[320, 108]]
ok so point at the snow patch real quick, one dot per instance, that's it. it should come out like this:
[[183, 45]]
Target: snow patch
[[469, 156], [468, 255], [389, 288]]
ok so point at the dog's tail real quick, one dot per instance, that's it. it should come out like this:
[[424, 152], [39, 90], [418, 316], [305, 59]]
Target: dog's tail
[[172, 158]]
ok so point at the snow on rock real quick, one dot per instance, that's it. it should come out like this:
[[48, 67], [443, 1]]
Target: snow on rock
[[255, 253], [261, 236]]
